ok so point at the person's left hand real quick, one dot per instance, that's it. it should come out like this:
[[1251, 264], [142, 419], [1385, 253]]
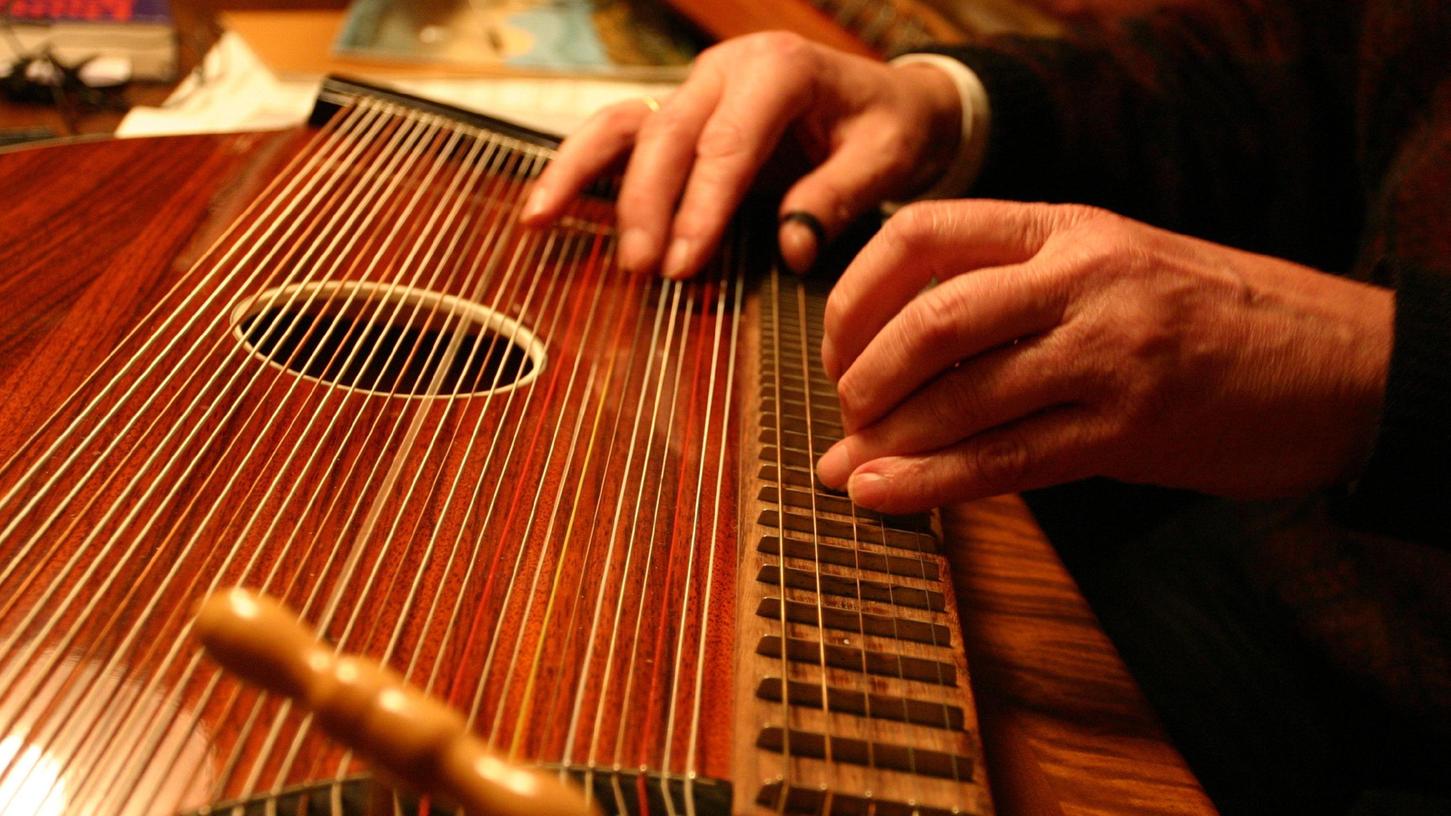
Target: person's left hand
[[1063, 342]]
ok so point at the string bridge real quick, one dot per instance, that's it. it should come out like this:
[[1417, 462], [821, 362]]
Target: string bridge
[[858, 684]]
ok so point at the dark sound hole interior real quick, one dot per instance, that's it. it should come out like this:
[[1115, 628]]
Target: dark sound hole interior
[[367, 350]]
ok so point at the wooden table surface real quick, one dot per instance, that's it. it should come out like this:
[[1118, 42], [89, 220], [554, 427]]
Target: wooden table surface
[[1065, 728]]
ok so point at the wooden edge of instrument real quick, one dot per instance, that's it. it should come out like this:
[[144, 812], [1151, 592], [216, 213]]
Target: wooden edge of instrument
[[1065, 728]]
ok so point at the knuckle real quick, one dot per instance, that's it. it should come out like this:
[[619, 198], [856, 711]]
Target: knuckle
[[722, 139], [1075, 215], [665, 124], [851, 394], [953, 411], [825, 198], [914, 221], [1000, 463], [780, 45], [899, 148], [928, 324], [902, 234], [619, 117]]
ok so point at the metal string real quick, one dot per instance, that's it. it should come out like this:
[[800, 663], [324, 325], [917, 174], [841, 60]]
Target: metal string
[[468, 512], [214, 510], [671, 291], [584, 471], [458, 537], [315, 148], [212, 513], [525, 533], [405, 448], [23, 556], [722, 287], [428, 228], [681, 489], [815, 544], [738, 280], [488, 662], [658, 481], [332, 557], [20, 630], [614, 538], [788, 768], [632, 306]]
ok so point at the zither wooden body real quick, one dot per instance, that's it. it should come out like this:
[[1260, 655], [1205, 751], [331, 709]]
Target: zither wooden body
[[574, 503]]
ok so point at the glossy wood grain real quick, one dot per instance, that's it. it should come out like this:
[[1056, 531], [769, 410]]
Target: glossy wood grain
[[1067, 730], [108, 228], [469, 542]]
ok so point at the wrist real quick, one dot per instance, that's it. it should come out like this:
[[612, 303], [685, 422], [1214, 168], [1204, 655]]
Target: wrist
[[1370, 379], [957, 118], [942, 108]]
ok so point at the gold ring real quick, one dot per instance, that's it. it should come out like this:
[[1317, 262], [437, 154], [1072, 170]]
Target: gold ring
[[652, 103]]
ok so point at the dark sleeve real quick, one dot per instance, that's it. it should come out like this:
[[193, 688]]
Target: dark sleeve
[[1227, 119], [1405, 489]]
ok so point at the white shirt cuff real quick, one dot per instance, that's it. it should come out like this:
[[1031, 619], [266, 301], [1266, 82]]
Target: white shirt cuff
[[960, 174]]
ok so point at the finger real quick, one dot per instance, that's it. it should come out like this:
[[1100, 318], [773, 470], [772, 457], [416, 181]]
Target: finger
[[860, 175], [583, 157], [952, 322], [1053, 447], [990, 390], [735, 141], [923, 242], [658, 168]]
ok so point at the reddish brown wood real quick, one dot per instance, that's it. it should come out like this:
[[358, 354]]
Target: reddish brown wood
[[723, 20], [108, 227], [154, 203], [1065, 728]]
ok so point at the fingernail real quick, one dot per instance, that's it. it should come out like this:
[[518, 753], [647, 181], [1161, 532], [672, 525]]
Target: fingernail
[[679, 258], [534, 207], [635, 249], [828, 359], [867, 489], [834, 466]]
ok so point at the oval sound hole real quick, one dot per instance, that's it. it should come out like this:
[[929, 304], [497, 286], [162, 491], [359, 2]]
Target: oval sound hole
[[389, 340]]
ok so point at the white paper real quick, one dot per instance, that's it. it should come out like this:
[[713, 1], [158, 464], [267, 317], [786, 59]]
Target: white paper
[[239, 93]]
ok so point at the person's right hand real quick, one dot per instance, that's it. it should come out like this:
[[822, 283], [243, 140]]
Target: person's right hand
[[872, 132]]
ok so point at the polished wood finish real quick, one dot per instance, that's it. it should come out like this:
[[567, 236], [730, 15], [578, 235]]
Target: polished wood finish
[[734, 18], [853, 684], [475, 570], [1065, 727], [873, 28], [109, 227]]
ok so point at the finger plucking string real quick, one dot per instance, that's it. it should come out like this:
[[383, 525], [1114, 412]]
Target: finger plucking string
[[998, 387], [1051, 447]]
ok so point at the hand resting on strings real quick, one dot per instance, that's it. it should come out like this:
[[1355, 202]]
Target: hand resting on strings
[[871, 131], [1058, 342], [1063, 342]]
